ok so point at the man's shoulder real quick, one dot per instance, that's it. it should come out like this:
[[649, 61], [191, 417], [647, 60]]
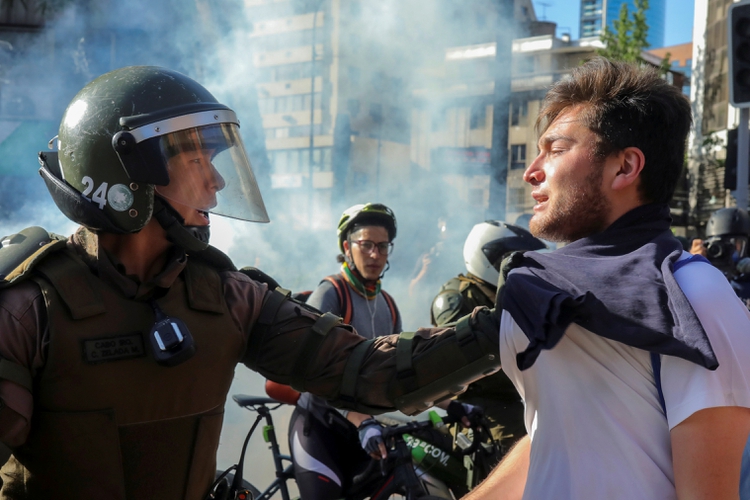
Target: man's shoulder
[[16, 300], [21, 252], [325, 296], [215, 258], [329, 284], [698, 279]]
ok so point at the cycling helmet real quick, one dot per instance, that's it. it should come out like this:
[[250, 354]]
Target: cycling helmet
[[490, 241], [141, 138], [369, 214]]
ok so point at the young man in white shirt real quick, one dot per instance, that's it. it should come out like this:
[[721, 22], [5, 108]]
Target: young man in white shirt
[[630, 354]]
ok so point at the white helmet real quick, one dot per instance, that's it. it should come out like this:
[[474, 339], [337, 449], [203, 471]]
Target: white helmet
[[489, 242]]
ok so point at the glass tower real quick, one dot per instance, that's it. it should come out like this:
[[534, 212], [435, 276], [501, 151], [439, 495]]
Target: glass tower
[[598, 13]]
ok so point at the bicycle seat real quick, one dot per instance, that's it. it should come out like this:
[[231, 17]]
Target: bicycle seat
[[245, 400]]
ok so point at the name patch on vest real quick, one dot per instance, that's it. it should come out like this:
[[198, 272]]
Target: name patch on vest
[[113, 348]]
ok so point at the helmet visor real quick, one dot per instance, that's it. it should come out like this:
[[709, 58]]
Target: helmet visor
[[209, 171]]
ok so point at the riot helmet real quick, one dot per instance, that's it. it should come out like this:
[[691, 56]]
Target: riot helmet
[[489, 242], [727, 233], [140, 140], [368, 214]]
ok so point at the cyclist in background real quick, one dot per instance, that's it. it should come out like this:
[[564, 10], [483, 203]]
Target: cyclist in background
[[324, 441]]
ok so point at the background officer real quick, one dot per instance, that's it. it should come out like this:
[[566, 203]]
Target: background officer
[[725, 247], [484, 249]]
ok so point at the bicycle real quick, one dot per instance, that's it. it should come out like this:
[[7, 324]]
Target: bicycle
[[420, 462]]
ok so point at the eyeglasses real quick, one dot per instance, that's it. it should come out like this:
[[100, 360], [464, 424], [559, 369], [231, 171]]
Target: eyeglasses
[[367, 246]]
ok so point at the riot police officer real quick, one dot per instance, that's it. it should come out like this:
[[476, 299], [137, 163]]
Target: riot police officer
[[725, 246], [119, 344], [484, 249]]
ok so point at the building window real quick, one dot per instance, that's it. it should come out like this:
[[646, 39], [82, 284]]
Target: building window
[[288, 103], [295, 71], [478, 117], [265, 106], [281, 133], [517, 156], [519, 113], [322, 160]]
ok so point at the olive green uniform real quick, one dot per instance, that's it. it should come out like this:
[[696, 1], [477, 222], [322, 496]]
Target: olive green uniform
[[99, 418], [495, 394]]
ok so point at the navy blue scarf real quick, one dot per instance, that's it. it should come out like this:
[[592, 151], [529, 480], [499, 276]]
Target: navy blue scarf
[[617, 284]]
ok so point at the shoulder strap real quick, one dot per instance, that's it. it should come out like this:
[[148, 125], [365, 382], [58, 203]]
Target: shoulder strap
[[655, 356], [392, 306], [656, 366], [343, 294]]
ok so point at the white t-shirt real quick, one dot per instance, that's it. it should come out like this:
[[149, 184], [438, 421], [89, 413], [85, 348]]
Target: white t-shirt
[[592, 408]]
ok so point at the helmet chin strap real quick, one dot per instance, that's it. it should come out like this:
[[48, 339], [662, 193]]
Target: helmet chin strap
[[191, 238], [387, 266]]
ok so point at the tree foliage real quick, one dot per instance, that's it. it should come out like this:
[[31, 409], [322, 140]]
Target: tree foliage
[[628, 38]]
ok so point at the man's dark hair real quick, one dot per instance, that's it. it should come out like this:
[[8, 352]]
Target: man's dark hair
[[627, 105]]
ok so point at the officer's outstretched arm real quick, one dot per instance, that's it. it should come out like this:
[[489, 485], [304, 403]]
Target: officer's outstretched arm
[[424, 367], [293, 344]]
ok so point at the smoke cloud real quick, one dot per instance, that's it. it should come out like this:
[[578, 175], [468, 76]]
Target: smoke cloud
[[42, 69]]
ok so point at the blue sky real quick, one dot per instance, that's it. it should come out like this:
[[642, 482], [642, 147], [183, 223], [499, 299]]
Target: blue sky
[[565, 13]]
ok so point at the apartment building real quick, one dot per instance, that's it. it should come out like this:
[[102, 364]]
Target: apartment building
[[452, 128], [334, 105]]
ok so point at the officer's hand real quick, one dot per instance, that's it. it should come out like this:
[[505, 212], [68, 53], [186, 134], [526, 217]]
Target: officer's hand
[[463, 412], [371, 438]]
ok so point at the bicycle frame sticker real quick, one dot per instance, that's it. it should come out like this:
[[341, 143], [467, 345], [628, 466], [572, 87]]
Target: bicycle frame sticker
[[441, 463]]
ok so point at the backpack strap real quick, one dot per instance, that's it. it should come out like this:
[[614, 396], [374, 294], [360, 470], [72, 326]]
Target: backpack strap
[[656, 366], [344, 296], [392, 306], [655, 356]]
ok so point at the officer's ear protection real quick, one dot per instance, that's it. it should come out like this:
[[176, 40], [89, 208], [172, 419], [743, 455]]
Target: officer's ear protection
[[170, 340]]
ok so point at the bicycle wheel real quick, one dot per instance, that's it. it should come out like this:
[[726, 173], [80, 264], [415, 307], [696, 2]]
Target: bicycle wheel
[[245, 484]]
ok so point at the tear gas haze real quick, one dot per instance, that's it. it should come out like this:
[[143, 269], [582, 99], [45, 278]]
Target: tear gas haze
[[370, 58]]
